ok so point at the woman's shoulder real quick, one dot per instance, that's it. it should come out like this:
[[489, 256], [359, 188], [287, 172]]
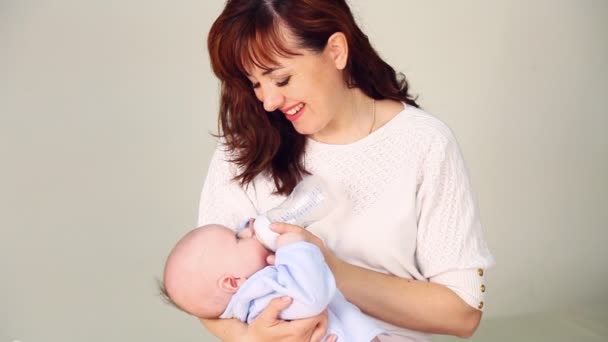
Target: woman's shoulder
[[421, 125]]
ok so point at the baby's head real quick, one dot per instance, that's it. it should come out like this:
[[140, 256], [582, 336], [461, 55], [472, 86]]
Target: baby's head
[[208, 265]]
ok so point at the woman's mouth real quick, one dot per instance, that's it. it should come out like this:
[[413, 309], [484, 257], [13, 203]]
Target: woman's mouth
[[295, 112]]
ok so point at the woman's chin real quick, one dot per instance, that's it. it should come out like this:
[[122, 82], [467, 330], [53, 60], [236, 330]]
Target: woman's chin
[[304, 130]]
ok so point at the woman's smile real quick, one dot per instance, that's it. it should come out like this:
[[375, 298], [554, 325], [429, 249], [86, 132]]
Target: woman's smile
[[295, 112]]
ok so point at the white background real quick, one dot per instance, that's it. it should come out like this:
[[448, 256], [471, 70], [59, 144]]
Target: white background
[[106, 108]]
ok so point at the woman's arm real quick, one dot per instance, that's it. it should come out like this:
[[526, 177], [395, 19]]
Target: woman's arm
[[226, 329], [412, 304], [268, 327], [449, 247]]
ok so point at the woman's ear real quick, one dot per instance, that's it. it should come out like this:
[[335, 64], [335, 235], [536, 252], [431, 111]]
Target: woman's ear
[[229, 283], [337, 48]]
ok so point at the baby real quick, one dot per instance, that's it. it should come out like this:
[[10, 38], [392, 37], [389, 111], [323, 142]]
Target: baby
[[214, 272]]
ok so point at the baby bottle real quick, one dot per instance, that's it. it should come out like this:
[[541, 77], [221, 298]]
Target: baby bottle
[[309, 201]]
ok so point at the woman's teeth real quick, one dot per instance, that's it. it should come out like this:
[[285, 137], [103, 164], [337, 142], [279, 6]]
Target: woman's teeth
[[295, 109]]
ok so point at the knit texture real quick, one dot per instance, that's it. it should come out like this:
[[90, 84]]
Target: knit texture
[[406, 206]]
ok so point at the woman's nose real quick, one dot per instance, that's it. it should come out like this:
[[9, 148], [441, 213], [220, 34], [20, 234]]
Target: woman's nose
[[273, 99]]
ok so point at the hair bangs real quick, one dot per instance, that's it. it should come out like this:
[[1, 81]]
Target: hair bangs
[[262, 48], [239, 44]]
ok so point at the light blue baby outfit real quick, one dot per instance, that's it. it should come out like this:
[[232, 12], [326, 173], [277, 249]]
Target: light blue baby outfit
[[301, 273]]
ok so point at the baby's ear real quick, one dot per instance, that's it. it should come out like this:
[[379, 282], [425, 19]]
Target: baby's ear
[[229, 283]]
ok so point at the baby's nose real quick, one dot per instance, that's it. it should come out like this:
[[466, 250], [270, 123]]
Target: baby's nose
[[246, 233]]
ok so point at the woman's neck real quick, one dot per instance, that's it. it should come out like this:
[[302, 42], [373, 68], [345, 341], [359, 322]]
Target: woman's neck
[[353, 122]]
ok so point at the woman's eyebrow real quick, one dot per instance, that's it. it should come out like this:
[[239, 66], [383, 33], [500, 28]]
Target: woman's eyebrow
[[270, 71], [266, 71]]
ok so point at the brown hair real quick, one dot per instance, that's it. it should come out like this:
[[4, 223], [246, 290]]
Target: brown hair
[[248, 33]]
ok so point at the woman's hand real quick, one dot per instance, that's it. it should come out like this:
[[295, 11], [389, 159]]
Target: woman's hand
[[282, 228], [269, 327]]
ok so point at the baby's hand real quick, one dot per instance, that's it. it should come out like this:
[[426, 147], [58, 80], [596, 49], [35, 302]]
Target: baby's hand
[[289, 237]]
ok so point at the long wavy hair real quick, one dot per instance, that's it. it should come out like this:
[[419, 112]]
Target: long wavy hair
[[252, 33]]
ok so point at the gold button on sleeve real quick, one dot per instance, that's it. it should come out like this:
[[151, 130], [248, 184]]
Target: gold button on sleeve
[[480, 306], [480, 272], [483, 288]]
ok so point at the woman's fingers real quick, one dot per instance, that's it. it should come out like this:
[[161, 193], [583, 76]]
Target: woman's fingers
[[270, 314], [320, 329], [331, 338], [310, 329], [281, 227], [269, 327]]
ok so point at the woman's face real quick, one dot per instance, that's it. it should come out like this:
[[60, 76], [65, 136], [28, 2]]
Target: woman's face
[[307, 89]]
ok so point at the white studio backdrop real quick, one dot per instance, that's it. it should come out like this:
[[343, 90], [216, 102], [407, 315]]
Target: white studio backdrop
[[106, 109]]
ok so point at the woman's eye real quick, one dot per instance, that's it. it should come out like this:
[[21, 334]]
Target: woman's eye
[[284, 82]]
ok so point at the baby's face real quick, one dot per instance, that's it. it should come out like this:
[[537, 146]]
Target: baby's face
[[202, 258], [248, 253]]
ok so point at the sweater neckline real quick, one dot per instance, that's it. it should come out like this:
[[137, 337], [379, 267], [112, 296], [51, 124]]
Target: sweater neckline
[[373, 136]]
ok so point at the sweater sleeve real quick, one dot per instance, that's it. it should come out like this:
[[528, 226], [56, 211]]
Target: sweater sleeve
[[451, 247], [223, 200], [303, 275]]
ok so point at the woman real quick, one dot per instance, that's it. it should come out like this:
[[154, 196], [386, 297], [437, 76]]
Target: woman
[[303, 91]]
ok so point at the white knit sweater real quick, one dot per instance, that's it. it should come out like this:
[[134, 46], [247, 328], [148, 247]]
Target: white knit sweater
[[407, 207]]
